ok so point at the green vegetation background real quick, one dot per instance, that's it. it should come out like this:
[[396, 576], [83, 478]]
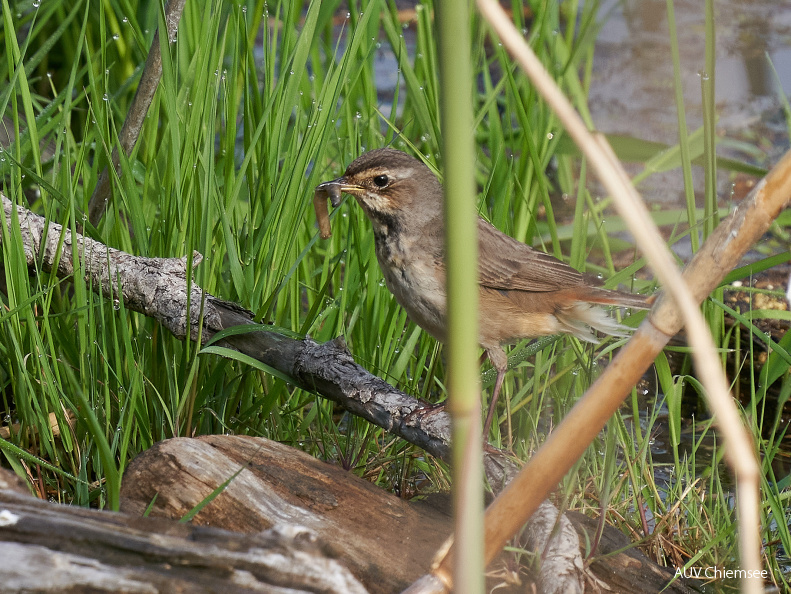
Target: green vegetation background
[[258, 103]]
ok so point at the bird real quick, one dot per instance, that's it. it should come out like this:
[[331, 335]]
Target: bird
[[523, 292]]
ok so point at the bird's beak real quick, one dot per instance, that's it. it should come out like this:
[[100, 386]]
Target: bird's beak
[[334, 188]]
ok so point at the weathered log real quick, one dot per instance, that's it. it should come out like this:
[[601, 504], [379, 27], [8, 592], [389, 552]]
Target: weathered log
[[385, 541], [159, 288], [46, 547]]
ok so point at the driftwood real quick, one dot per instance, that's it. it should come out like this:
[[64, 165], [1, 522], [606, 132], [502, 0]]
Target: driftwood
[[161, 288], [385, 541], [47, 547], [285, 502]]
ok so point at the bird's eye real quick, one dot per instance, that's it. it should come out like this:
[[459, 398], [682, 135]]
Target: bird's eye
[[381, 181]]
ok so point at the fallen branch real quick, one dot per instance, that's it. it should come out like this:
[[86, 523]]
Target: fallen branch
[[162, 289]]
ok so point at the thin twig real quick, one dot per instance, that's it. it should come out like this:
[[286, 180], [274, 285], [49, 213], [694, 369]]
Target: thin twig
[[133, 124]]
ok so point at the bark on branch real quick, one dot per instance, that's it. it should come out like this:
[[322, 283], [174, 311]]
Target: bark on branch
[[161, 288]]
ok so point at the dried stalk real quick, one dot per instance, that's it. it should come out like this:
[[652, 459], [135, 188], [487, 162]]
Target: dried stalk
[[721, 252], [133, 124]]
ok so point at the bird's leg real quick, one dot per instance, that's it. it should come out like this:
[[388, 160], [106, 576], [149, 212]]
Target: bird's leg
[[427, 409], [500, 362]]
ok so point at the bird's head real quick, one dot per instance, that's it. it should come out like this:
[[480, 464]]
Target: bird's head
[[388, 185]]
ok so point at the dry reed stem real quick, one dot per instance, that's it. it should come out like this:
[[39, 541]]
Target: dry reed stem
[[133, 124], [721, 252]]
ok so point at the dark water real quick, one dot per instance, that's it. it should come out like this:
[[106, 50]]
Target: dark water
[[633, 92], [633, 84]]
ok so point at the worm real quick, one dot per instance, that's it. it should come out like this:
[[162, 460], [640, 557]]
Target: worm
[[323, 192]]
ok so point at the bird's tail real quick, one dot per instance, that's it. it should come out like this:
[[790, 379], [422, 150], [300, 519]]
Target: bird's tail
[[601, 296], [583, 317]]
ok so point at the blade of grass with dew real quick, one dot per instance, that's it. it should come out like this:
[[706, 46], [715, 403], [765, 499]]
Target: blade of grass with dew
[[686, 166]]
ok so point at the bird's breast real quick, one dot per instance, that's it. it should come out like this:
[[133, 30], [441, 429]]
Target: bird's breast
[[416, 280]]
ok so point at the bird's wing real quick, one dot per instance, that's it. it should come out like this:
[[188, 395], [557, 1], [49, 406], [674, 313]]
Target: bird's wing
[[507, 264]]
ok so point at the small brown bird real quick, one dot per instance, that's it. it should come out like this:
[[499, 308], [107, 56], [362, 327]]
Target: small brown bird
[[524, 293]]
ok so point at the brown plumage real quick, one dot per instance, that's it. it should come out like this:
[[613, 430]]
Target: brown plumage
[[524, 293]]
